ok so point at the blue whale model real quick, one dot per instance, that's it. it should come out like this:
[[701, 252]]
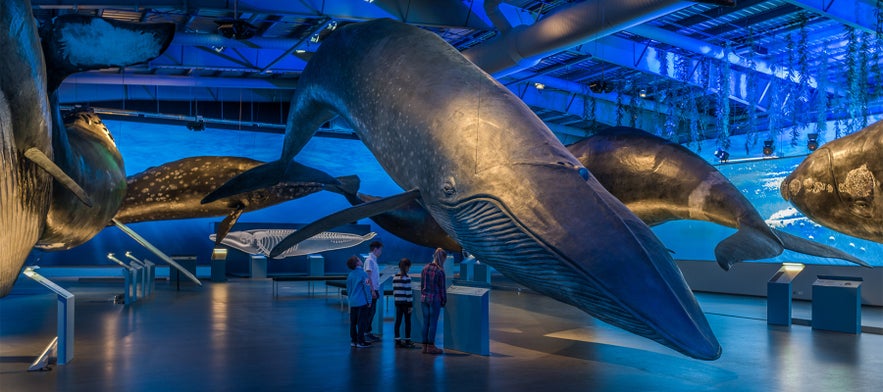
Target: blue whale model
[[491, 174]]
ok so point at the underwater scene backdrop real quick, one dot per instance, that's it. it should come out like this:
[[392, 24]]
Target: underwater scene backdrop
[[144, 145]]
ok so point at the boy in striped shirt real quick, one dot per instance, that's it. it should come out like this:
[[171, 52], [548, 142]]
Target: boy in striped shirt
[[401, 290]]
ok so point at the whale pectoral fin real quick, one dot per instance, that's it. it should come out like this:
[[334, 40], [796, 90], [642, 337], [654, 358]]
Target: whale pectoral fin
[[227, 224], [268, 175], [746, 244], [40, 159], [139, 239], [351, 214], [801, 245]]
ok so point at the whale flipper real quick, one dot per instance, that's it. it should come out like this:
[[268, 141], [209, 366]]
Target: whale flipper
[[344, 216], [747, 244], [228, 223], [349, 186], [800, 245], [40, 159], [268, 175]]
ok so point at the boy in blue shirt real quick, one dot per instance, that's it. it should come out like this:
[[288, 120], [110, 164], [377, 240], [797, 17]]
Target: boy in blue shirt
[[359, 297]]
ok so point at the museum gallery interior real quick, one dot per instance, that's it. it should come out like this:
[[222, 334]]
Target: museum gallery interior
[[599, 195]]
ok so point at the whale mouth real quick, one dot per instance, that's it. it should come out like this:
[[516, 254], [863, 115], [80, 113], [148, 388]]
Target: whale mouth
[[485, 227]]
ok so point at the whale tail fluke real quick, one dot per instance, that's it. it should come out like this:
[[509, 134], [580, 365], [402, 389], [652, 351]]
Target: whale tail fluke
[[227, 224], [349, 186], [801, 245], [747, 244], [268, 175]]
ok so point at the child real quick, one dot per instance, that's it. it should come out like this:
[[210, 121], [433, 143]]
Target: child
[[401, 285], [359, 296]]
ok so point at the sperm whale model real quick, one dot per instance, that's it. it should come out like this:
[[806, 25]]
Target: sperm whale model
[[261, 241], [173, 190], [838, 185], [661, 181], [491, 174]]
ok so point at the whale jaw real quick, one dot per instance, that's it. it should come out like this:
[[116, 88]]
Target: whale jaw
[[489, 231]]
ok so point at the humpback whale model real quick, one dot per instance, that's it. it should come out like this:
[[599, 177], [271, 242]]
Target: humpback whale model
[[491, 174], [261, 241], [839, 186], [662, 181], [174, 190]]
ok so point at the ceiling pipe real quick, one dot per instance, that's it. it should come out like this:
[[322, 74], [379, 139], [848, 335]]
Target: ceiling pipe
[[716, 52], [493, 12], [179, 81], [523, 46]]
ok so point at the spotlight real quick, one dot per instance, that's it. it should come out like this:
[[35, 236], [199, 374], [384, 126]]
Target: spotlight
[[722, 155], [218, 49], [643, 94], [539, 86], [768, 147], [812, 142], [197, 125], [236, 28]]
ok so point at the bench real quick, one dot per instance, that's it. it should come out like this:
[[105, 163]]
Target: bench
[[306, 278]]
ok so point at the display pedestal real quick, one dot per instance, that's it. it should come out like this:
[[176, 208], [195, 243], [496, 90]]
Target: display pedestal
[[385, 284], [466, 320], [219, 265], [778, 310], [317, 268], [449, 270], [64, 341], [257, 267], [186, 262], [837, 304], [416, 315], [474, 271]]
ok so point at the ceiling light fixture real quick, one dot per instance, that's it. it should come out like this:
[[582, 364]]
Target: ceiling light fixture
[[812, 142], [768, 147], [539, 86]]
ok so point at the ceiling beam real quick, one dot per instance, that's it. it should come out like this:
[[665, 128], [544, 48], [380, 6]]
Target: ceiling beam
[[859, 14]]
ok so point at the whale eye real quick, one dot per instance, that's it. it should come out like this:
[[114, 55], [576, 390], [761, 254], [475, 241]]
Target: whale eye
[[448, 187], [861, 208]]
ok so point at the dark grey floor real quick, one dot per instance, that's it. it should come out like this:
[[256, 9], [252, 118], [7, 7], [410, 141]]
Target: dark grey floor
[[236, 337]]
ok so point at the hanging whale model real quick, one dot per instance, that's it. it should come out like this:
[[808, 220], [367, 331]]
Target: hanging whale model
[[491, 174], [838, 185], [661, 181], [174, 190], [261, 241], [35, 145]]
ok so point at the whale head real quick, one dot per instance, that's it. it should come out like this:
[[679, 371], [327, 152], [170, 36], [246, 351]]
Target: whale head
[[837, 185]]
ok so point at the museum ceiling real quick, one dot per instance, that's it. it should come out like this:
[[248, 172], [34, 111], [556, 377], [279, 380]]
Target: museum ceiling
[[685, 70]]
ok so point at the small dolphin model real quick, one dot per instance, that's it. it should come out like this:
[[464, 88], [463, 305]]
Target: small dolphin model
[[261, 241], [491, 174], [174, 190], [838, 185], [661, 181]]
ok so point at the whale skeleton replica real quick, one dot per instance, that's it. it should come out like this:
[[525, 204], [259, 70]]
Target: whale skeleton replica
[[262, 241], [491, 174]]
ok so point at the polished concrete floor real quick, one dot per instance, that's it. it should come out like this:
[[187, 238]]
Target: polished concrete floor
[[235, 336]]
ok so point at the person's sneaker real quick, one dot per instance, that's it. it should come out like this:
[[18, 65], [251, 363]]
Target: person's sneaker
[[362, 345], [399, 343], [408, 344], [371, 337], [352, 344]]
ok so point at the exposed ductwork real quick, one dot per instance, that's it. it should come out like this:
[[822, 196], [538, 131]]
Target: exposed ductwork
[[523, 46]]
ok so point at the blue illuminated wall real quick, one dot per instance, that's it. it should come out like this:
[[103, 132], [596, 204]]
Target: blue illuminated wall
[[146, 145]]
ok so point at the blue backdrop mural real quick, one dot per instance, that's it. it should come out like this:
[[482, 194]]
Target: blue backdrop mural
[[145, 145]]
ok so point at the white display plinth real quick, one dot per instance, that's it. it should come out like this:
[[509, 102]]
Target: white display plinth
[[258, 267]]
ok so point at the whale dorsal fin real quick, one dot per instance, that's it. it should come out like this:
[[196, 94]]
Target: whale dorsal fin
[[40, 159], [228, 223], [351, 214]]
